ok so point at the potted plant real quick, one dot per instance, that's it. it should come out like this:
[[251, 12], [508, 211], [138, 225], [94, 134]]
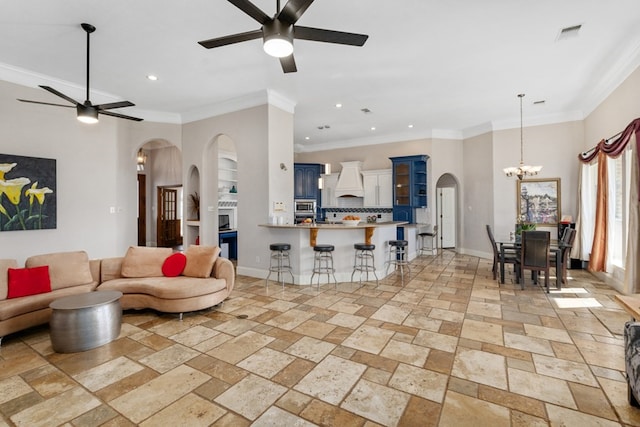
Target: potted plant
[[195, 204], [521, 226]]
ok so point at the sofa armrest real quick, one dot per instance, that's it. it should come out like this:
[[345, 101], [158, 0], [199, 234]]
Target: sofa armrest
[[223, 269]]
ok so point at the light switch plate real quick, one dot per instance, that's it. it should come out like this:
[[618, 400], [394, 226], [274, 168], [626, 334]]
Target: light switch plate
[[278, 207]]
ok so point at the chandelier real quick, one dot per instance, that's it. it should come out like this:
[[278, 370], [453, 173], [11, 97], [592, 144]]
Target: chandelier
[[522, 170]]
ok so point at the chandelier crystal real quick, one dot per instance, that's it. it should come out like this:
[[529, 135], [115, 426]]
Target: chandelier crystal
[[522, 170]]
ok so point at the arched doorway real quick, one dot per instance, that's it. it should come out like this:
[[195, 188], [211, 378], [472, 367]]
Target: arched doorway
[[159, 172], [447, 210]]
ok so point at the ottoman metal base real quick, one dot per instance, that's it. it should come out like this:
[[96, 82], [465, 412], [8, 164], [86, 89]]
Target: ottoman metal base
[[85, 321]]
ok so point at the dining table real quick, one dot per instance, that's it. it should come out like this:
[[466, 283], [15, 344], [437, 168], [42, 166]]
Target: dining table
[[555, 250]]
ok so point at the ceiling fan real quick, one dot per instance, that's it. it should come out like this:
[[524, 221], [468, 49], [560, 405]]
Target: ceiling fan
[[87, 112], [278, 32]]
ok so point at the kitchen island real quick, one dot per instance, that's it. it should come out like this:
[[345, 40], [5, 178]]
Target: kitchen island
[[303, 237]]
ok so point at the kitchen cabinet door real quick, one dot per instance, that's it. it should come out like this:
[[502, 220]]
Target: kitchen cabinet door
[[329, 190], [378, 188]]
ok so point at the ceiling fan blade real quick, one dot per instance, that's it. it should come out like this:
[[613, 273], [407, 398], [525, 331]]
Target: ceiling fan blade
[[293, 10], [114, 105], [118, 115], [329, 36], [46, 103], [235, 38], [60, 94], [288, 64], [250, 9]]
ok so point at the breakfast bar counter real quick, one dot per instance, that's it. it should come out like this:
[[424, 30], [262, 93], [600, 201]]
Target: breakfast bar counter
[[302, 238]]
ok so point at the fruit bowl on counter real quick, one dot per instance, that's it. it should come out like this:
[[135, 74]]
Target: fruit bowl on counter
[[351, 220]]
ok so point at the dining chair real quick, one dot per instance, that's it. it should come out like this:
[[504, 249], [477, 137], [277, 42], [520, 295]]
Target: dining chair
[[567, 239], [510, 256], [534, 255]]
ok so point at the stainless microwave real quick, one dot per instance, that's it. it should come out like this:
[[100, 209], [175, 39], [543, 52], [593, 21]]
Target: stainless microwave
[[306, 206]]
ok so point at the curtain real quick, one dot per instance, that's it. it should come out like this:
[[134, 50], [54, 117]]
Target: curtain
[[614, 149], [632, 264], [597, 260]]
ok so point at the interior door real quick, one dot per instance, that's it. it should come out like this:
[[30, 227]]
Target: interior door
[[168, 222], [142, 209], [447, 227]]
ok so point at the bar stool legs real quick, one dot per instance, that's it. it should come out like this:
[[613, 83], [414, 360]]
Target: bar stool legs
[[279, 263], [323, 263], [398, 257], [364, 261]]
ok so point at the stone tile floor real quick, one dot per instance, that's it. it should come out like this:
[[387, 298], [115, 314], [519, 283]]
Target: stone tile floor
[[450, 348]]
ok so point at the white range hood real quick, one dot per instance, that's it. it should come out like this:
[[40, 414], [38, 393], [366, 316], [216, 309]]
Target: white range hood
[[350, 180]]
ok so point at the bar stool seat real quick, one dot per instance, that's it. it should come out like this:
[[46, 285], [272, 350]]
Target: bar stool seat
[[432, 235], [323, 263], [280, 262], [398, 257], [364, 261]]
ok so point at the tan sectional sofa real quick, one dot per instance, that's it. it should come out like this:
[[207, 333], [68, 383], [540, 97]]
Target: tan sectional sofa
[[72, 273]]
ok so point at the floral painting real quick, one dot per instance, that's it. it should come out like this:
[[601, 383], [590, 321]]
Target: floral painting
[[27, 193]]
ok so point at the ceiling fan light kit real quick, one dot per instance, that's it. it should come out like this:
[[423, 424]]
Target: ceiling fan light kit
[[521, 170], [87, 112], [278, 39]]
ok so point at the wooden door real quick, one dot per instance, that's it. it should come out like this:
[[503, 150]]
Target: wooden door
[[168, 222], [142, 210]]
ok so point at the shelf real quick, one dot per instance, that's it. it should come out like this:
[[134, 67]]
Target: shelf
[[193, 222]]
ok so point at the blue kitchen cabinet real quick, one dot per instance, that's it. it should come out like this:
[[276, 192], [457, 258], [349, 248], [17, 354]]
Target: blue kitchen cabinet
[[305, 180], [409, 186]]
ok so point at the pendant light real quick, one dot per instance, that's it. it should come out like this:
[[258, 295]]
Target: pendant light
[[522, 170]]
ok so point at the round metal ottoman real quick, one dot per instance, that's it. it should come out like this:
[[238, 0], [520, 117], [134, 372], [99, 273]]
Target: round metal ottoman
[[85, 321]]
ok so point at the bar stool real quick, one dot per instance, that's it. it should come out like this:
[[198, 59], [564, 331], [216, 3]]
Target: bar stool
[[279, 262], [398, 256], [364, 261], [425, 234], [323, 263]]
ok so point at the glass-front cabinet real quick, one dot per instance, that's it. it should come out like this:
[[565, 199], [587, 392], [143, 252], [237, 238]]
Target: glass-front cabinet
[[409, 186]]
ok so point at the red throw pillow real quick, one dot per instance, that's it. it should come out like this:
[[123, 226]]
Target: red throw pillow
[[174, 264], [28, 281]]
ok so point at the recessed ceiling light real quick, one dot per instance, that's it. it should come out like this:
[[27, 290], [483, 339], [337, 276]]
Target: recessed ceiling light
[[307, 138], [410, 126], [373, 128], [338, 105], [152, 77]]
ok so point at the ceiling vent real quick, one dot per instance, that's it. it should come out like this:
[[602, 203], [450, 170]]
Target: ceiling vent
[[569, 32]]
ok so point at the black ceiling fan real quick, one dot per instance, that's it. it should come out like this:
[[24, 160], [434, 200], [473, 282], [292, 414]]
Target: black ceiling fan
[[278, 32], [87, 112]]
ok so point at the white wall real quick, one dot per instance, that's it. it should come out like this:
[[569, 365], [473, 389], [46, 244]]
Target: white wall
[[96, 170]]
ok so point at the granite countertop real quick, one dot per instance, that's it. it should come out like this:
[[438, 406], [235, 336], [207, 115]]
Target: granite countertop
[[338, 226]]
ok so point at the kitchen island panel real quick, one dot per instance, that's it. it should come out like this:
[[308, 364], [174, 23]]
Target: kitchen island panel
[[342, 238]]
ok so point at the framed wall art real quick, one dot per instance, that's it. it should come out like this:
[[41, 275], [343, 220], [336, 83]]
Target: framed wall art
[[539, 201], [27, 193]]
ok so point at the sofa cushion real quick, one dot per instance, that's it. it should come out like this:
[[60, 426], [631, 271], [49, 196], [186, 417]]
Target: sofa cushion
[[18, 306], [28, 281], [5, 265], [166, 287], [65, 268], [141, 261], [174, 264], [200, 260]]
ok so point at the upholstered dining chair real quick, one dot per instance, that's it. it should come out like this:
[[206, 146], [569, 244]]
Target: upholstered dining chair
[[510, 256], [567, 239], [534, 255]]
